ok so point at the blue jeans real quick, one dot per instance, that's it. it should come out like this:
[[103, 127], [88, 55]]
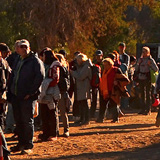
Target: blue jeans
[[23, 111]]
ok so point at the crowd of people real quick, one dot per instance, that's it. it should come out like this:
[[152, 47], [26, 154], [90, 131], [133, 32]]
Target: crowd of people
[[45, 83]]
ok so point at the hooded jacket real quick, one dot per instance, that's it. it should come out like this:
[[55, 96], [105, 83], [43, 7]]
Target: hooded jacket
[[27, 76], [83, 75], [143, 69]]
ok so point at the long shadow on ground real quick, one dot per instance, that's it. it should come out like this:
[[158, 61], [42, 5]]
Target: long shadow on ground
[[110, 132], [147, 153], [116, 129], [127, 126]]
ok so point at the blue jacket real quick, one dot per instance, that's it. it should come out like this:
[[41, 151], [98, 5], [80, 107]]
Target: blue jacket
[[125, 62], [27, 76]]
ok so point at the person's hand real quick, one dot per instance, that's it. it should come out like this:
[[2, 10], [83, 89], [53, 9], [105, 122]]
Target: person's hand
[[26, 97]]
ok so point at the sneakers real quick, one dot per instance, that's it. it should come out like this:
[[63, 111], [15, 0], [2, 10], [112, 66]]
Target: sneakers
[[52, 139], [26, 151], [157, 122], [66, 134], [21, 149]]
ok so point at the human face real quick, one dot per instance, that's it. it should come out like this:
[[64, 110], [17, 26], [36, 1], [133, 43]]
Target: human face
[[121, 49], [106, 65], [145, 53], [79, 61], [23, 50], [17, 48], [99, 58]]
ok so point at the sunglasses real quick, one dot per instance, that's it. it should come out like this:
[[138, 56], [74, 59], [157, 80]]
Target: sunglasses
[[23, 46]]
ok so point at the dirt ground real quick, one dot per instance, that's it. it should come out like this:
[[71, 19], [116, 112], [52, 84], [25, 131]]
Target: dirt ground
[[135, 137]]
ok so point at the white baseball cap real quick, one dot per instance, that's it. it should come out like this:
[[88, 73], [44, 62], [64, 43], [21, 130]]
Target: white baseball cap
[[24, 42]]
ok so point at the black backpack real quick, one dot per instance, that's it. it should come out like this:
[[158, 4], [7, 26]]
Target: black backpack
[[64, 80]]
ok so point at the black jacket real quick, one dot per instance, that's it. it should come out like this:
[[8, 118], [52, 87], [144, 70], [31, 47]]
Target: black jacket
[[27, 76]]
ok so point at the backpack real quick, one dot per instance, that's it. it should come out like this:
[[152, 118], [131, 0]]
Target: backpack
[[153, 75], [96, 75], [64, 80]]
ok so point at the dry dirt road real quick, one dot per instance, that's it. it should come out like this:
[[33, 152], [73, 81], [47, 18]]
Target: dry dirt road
[[135, 137]]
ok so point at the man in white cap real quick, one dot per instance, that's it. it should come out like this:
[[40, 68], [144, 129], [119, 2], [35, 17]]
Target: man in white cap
[[24, 85]]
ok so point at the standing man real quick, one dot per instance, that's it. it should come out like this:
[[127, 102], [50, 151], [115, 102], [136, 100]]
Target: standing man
[[9, 128], [125, 62], [25, 81], [4, 74], [124, 58], [97, 61]]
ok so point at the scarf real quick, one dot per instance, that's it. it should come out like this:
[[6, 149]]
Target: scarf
[[106, 83]]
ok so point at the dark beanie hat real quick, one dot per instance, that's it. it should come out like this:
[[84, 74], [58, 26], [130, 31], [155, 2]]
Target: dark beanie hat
[[99, 53], [122, 44], [63, 52]]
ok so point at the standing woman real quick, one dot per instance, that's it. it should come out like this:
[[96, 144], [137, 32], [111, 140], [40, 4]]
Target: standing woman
[[112, 87], [64, 102], [49, 115], [83, 76], [144, 65]]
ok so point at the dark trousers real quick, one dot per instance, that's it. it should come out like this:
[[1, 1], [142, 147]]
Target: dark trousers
[[50, 121], [76, 109], [84, 110], [102, 108], [23, 111], [145, 95], [93, 102], [111, 106]]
